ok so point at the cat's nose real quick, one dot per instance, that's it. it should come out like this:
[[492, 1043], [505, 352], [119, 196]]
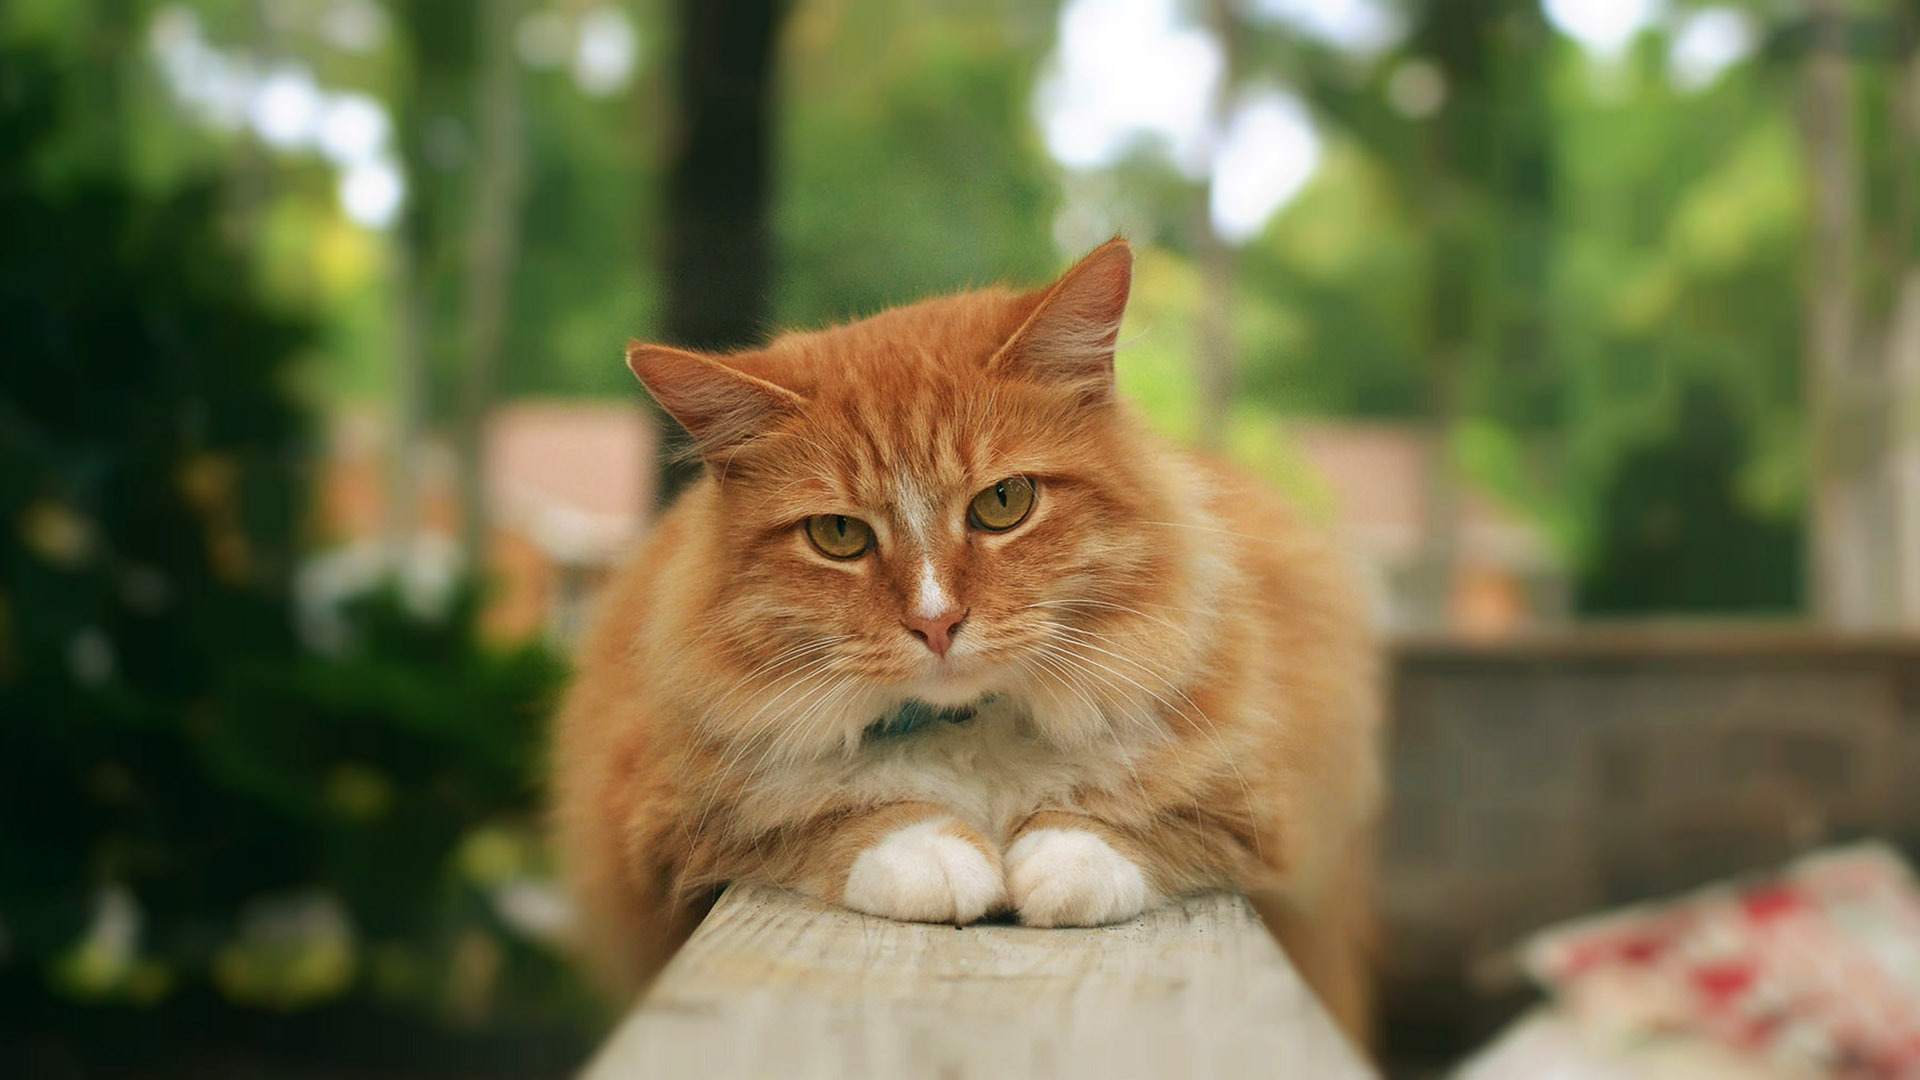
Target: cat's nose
[[936, 632]]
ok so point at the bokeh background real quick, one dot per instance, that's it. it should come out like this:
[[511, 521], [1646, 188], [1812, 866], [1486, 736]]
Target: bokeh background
[[1593, 326]]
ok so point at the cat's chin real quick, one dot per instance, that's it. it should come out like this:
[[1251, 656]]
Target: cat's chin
[[951, 681], [949, 695], [951, 687]]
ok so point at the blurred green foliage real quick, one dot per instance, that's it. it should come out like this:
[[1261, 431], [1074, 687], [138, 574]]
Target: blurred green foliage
[[204, 817], [1623, 245], [1582, 239]]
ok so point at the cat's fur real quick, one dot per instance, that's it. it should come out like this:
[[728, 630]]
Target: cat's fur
[[1182, 684]]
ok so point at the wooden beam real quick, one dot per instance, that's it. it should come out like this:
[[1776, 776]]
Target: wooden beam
[[776, 985]]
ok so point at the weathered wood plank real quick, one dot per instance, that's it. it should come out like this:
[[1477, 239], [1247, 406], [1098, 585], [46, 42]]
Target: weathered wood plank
[[776, 985]]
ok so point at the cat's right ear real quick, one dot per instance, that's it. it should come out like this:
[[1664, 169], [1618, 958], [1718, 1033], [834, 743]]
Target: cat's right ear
[[1068, 340], [720, 406]]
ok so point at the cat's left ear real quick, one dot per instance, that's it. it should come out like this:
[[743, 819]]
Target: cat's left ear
[[1070, 337]]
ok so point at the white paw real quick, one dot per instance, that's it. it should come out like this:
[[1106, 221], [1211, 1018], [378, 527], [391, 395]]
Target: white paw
[[920, 874], [1071, 877]]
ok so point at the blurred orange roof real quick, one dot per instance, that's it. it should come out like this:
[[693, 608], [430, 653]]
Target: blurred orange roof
[[1377, 473], [574, 477], [578, 478]]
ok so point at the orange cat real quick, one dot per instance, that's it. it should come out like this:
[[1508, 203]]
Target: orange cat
[[946, 631]]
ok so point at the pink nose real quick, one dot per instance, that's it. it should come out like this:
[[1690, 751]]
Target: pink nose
[[937, 632]]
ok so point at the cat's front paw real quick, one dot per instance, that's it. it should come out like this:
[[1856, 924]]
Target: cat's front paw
[[926, 872], [1071, 877]]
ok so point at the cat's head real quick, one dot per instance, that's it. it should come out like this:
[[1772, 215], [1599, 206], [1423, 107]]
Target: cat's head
[[939, 502]]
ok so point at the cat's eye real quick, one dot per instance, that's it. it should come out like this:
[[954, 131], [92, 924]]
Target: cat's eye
[[839, 536], [1003, 505]]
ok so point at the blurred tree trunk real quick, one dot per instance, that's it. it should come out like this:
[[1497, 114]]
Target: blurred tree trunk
[[1215, 364], [493, 235], [249, 186], [433, 129], [1486, 192], [1214, 353], [1475, 168], [1451, 294], [409, 405], [112, 47], [1903, 324], [1458, 133], [719, 187], [1842, 442]]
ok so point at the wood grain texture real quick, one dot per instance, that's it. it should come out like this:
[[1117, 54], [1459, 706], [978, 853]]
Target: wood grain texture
[[774, 985]]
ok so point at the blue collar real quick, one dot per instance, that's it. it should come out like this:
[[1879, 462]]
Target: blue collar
[[914, 715]]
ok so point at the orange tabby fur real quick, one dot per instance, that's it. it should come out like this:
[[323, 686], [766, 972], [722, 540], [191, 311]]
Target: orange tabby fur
[[1184, 678]]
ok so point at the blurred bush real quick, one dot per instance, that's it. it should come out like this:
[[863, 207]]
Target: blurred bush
[[217, 837]]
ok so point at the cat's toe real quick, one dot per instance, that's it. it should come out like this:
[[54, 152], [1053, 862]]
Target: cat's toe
[[1072, 877], [926, 873]]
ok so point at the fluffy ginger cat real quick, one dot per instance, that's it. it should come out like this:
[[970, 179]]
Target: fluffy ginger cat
[[945, 631]]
